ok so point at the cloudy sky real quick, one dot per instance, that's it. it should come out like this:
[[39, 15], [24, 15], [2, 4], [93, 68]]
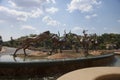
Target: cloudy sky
[[24, 17]]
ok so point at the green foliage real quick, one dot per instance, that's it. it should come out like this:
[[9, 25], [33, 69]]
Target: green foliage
[[113, 39]]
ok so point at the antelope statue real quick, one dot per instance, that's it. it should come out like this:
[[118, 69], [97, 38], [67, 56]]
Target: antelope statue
[[88, 41], [28, 41]]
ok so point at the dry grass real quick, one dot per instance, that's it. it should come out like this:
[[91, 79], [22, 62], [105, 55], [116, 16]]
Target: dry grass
[[65, 54]]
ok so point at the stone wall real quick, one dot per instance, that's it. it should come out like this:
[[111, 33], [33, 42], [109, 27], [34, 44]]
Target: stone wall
[[52, 67]]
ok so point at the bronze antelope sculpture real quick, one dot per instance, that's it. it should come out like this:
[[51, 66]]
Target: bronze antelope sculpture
[[28, 41], [85, 41], [74, 40], [88, 41], [62, 42], [57, 42]]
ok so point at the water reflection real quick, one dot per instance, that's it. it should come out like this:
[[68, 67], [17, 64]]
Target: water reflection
[[117, 61], [17, 59], [9, 58]]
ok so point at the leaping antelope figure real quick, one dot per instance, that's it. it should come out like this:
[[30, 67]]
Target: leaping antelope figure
[[28, 41], [88, 41], [58, 42]]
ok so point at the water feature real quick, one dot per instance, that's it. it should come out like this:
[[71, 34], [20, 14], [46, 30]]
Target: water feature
[[10, 58], [117, 61], [7, 58]]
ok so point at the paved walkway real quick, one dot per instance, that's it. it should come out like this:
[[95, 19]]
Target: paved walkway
[[90, 73]]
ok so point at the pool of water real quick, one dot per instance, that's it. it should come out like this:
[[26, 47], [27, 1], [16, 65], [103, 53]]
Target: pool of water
[[11, 58], [116, 61], [8, 57]]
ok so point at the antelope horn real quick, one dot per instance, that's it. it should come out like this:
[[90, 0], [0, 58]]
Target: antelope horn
[[65, 32], [58, 33]]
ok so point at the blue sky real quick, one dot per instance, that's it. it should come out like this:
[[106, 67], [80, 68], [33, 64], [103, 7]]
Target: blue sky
[[23, 17]]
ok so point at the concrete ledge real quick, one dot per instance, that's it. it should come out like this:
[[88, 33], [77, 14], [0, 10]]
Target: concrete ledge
[[95, 73], [52, 66], [54, 61]]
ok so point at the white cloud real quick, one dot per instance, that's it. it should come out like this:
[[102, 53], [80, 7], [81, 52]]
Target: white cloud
[[36, 13], [28, 27], [93, 28], [8, 14], [12, 3], [51, 10], [64, 25], [22, 10], [77, 29], [11, 26], [49, 21], [105, 28], [1, 21], [94, 15], [51, 1], [11, 14], [87, 17], [118, 20], [29, 3], [91, 16], [82, 5]]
